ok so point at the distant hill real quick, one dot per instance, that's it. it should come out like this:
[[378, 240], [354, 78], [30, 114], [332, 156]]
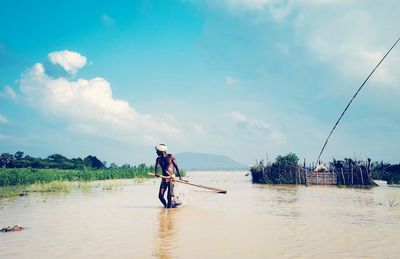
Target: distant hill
[[203, 161]]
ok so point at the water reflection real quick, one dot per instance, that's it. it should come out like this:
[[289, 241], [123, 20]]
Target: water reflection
[[279, 200], [286, 194], [165, 238], [286, 198]]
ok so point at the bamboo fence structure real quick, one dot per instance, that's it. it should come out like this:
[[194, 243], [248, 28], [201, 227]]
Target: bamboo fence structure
[[344, 173]]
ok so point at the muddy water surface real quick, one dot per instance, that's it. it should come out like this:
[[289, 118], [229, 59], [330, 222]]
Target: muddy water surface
[[250, 221]]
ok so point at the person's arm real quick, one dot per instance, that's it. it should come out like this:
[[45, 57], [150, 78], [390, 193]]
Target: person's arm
[[176, 167], [157, 165]]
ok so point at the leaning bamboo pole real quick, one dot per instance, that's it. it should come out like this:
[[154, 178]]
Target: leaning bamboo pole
[[361, 174], [192, 184], [344, 181]]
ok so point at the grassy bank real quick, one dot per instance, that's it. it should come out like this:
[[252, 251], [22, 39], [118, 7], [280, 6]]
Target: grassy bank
[[25, 176]]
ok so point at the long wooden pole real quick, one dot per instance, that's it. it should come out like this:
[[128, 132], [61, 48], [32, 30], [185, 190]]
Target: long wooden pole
[[192, 184], [359, 89]]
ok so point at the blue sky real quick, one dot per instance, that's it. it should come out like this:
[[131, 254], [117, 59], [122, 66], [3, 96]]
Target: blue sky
[[244, 78]]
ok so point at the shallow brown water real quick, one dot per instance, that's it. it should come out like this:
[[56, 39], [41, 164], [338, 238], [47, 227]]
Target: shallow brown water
[[250, 221]]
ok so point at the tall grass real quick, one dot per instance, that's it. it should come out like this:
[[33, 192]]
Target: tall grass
[[23, 176]]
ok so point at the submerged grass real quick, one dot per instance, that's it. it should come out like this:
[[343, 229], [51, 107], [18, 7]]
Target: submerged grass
[[112, 185], [11, 191], [393, 199], [84, 186], [58, 187], [22, 190]]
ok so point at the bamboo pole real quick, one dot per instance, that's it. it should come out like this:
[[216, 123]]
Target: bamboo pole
[[192, 184], [299, 174], [369, 171], [344, 181], [352, 180], [306, 175], [362, 180]]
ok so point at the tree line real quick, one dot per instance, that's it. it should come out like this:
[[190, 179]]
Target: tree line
[[54, 161]]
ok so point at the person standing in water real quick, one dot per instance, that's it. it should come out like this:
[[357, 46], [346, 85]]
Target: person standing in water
[[167, 162]]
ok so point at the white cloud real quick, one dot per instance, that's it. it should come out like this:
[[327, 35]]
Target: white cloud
[[71, 61], [88, 105], [198, 128], [353, 43], [253, 4], [276, 10], [230, 81], [9, 93], [238, 117], [2, 119], [169, 116], [350, 35], [272, 5], [260, 9], [258, 127]]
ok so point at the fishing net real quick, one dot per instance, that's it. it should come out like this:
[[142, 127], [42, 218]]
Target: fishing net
[[181, 195]]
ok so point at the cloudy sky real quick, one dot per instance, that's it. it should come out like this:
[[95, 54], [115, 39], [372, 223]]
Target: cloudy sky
[[244, 78]]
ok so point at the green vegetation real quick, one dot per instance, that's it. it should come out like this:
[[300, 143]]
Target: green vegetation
[[22, 176], [290, 160], [285, 170], [386, 172]]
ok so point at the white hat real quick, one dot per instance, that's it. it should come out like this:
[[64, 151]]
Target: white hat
[[161, 148]]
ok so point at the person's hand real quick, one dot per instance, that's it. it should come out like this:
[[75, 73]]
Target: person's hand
[[157, 175]]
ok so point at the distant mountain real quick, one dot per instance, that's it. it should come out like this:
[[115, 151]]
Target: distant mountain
[[203, 161]]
